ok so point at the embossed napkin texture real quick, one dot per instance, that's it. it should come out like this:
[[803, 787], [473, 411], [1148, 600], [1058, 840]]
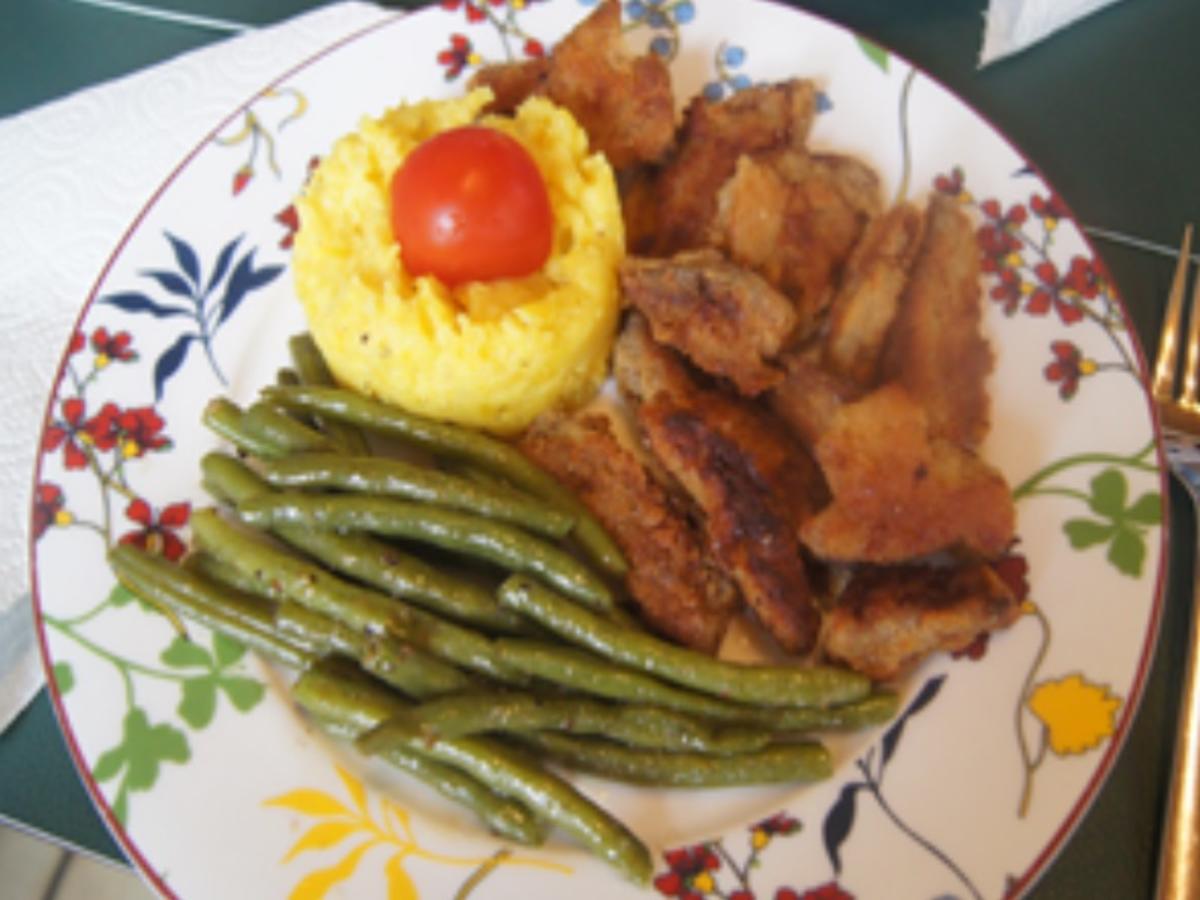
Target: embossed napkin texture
[[1014, 25], [76, 172]]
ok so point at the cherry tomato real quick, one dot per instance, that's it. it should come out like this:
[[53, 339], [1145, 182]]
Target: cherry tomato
[[469, 204]]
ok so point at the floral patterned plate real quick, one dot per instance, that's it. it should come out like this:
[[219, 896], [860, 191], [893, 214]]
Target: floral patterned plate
[[216, 788]]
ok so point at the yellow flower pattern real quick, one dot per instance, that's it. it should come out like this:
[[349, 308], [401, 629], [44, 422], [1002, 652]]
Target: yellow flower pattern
[[1077, 715], [338, 821]]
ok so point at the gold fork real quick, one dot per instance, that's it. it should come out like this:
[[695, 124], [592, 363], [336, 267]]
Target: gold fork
[[1179, 412]]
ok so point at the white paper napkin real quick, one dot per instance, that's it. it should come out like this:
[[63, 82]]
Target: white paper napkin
[[75, 174], [1014, 25]]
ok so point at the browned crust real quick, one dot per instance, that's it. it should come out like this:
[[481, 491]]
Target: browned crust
[[890, 618], [899, 493], [725, 319], [713, 137], [753, 484], [936, 348], [679, 589], [868, 296]]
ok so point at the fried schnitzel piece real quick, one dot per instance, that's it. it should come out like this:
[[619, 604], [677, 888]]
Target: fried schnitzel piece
[[809, 395], [644, 368], [639, 208], [888, 619], [724, 318], [680, 590], [795, 218], [754, 485], [869, 294], [935, 347], [899, 492], [713, 137], [623, 102], [512, 83]]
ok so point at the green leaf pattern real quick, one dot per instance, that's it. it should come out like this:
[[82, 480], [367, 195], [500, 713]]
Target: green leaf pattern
[[1120, 527], [874, 52], [203, 675], [199, 691], [143, 749], [1117, 524]]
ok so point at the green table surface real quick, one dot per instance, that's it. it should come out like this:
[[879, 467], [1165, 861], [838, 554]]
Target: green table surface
[[1108, 111]]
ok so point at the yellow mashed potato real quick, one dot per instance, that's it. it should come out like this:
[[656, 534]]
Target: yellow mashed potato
[[486, 354]]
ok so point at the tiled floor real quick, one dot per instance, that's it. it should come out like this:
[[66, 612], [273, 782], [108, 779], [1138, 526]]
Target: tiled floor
[[33, 869]]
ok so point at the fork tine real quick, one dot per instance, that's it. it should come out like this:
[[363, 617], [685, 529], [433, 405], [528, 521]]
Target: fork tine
[[1163, 386]]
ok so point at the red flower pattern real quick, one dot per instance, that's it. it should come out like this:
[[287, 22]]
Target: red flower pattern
[[290, 220], [48, 502], [69, 431], [780, 823], [951, 184], [108, 347], [1066, 367], [241, 178], [1051, 207], [1013, 570], [140, 429], [1035, 286], [157, 533], [288, 217], [976, 650], [687, 866], [1053, 293], [829, 891], [457, 56]]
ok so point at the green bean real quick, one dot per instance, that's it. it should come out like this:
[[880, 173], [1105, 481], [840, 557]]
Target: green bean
[[493, 542], [208, 605], [230, 480], [462, 646], [635, 725], [397, 478], [271, 424], [226, 419], [766, 685], [242, 606], [204, 565], [874, 709], [312, 369], [298, 622], [282, 574], [597, 676], [512, 776], [351, 707], [287, 378], [376, 563], [338, 690], [457, 443], [775, 764], [479, 475], [403, 576], [584, 671], [418, 673]]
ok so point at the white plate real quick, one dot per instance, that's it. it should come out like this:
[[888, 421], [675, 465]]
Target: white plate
[[217, 788]]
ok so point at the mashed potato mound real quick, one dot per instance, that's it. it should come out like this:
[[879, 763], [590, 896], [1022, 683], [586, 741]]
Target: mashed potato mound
[[487, 354]]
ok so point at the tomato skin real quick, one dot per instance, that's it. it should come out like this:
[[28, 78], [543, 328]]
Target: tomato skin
[[469, 204]]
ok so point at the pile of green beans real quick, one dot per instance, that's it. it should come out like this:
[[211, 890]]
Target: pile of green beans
[[459, 616]]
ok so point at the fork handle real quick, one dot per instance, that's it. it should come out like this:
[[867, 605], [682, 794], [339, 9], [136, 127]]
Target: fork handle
[[1179, 860]]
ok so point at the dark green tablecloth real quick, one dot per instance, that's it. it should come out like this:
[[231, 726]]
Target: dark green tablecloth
[[1109, 112]]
